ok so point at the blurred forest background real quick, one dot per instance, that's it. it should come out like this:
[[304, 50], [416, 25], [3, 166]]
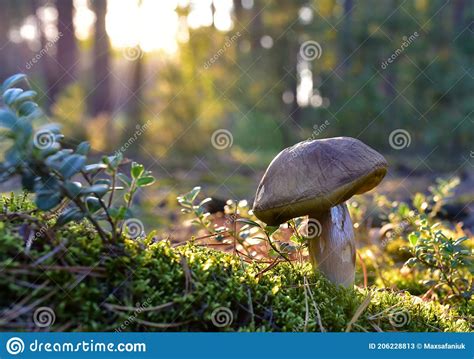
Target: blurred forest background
[[163, 80]]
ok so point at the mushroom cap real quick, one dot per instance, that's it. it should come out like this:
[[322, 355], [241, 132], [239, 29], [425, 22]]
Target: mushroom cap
[[312, 176]]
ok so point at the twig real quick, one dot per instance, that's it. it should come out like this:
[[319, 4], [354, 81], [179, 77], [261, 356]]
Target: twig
[[358, 312], [16, 312], [116, 308], [161, 325], [273, 264], [318, 315], [49, 254]]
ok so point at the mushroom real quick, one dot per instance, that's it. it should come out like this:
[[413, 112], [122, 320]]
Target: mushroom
[[314, 179]]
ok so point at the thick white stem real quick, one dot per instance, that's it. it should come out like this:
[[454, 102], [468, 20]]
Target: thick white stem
[[333, 251]]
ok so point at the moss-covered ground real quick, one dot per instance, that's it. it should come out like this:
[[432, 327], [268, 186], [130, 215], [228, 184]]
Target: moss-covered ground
[[143, 285]]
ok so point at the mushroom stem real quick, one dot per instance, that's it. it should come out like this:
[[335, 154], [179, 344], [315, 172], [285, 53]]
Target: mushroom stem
[[333, 250]]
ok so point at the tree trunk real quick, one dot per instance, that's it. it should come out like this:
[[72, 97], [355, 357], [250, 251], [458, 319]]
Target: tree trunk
[[5, 55], [134, 106], [458, 15], [66, 57], [46, 63], [256, 26], [345, 40], [101, 99]]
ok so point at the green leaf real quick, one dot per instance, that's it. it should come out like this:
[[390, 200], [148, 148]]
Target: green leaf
[[50, 150], [103, 181], [413, 239], [13, 157], [29, 108], [72, 165], [271, 229], [136, 170], [204, 201], [191, 195], [28, 180], [7, 119], [48, 193], [145, 181], [94, 167], [69, 215], [12, 81], [411, 262], [113, 161], [26, 96], [93, 204], [124, 179], [74, 189], [83, 148], [10, 95], [98, 189], [460, 240], [55, 160], [47, 199], [118, 213]]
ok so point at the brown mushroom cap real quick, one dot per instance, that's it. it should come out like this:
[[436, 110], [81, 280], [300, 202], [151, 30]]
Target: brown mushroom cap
[[313, 176]]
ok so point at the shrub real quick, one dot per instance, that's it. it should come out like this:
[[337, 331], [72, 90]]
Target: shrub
[[53, 172]]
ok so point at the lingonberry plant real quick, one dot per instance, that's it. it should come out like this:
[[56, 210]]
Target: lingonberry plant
[[61, 178], [445, 257]]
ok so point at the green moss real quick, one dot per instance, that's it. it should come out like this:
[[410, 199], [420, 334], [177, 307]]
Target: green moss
[[410, 281], [146, 285]]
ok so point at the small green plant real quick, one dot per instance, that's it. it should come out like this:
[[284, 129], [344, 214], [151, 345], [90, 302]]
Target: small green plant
[[240, 225], [404, 217], [189, 204], [447, 259], [61, 179]]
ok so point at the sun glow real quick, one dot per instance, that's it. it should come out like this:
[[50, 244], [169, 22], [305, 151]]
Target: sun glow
[[153, 24]]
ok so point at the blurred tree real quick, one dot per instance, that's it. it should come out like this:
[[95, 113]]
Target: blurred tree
[[345, 39], [47, 62], [67, 51], [135, 98], [101, 97], [5, 45]]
